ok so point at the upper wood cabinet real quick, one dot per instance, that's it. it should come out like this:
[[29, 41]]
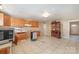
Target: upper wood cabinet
[[4, 19], [7, 20], [17, 22], [1, 19], [33, 23]]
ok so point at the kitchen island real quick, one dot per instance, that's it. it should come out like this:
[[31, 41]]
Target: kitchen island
[[20, 36]]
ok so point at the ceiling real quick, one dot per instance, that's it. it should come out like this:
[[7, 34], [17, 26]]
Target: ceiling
[[56, 11]]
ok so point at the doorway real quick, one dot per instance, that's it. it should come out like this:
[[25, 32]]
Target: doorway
[[74, 30]]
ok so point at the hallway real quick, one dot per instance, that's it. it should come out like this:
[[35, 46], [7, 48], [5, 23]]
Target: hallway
[[47, 45]]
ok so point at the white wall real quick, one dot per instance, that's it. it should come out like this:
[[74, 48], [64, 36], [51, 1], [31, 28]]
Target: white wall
[[45, 28], [65, 29]]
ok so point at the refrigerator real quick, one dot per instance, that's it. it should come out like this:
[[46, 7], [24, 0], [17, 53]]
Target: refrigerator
[[33, 35]]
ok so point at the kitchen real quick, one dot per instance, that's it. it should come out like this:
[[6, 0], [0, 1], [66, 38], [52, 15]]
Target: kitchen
[[21, 29], [32, 28]]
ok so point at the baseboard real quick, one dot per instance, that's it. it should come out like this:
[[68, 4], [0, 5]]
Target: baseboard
[[65, 37]]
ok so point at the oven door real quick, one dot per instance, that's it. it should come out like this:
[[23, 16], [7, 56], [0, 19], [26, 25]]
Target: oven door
[[10, 34], [6, 34], [1, 35]]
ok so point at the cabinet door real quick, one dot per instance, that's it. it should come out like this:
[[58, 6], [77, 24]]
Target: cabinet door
[[20, 36], [5, 51], [7, 20], [17, 22], [4, 19], [34, 23], [1, 19], [13, 22], [38, 33], [21, 22]]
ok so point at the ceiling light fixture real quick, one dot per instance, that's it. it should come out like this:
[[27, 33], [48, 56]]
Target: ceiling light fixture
[[45, 14]]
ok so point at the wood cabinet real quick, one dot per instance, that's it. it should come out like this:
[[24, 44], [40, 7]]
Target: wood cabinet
[[56, 29], [1, 19], [7, 20], [33, 23], [4, 19], [17, 22], [20, 36], [38, 33], [5, 51]]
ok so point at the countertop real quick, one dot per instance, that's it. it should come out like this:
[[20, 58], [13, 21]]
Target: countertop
[[9, 44]]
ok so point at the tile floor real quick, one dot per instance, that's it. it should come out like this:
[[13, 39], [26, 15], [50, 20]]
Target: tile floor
[[47, 45], [74, 37]]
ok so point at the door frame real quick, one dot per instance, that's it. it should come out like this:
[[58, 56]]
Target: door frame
[[69, 24]]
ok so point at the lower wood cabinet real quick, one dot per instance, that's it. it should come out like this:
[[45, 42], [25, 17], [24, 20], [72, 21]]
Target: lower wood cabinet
[[38, 33], [5, 51], [20, 36]]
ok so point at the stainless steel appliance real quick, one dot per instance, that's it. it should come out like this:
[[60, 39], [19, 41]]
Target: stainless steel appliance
[[6, 35], [33, 35], [1, 35]]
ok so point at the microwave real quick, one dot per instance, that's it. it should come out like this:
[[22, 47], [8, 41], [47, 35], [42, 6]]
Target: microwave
[[6, 36]]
